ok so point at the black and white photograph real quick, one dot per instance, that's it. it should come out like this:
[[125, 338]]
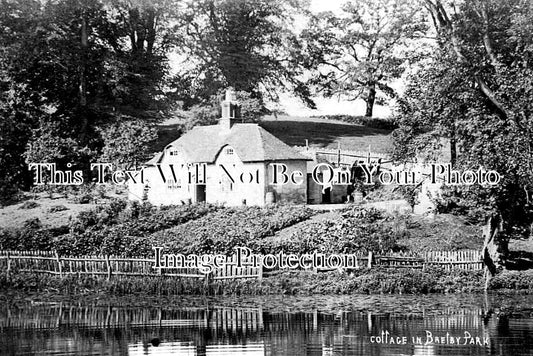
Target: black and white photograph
[[266, 177]]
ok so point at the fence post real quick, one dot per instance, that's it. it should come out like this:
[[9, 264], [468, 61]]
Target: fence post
[[369, 262], [59, 267], [8, 263], [108, 265]]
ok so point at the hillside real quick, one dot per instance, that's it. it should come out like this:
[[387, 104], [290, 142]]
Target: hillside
[[328, 133]]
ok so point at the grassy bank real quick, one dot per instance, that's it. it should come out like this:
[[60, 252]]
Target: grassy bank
[[131, 229], [375, 281], [123, 229]]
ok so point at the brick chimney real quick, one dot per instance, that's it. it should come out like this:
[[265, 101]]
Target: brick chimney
[[230, 110]]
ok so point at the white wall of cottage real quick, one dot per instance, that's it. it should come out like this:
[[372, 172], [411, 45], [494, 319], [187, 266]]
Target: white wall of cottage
[[219, 188]]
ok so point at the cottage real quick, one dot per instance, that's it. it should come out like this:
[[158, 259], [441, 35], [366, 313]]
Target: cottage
[[230, 163]]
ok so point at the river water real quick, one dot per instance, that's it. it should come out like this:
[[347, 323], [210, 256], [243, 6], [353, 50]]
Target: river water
[[322, 325]]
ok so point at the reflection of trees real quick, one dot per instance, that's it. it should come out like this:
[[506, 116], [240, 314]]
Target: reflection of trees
[[89, 328]]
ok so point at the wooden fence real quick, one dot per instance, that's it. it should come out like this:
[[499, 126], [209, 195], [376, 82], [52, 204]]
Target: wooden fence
[[107, 266], [470, 260], [51, 263]]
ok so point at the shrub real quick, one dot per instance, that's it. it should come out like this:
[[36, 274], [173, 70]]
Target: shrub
[[119, 230], [31, 236], [83, 199], [125, 143], [30, 204], [57, 208], [227, 228], [515, 280], [357, 230], [112, 228]]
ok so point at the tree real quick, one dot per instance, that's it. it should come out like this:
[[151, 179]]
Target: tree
[[247, 45], [70, 68], [126, 143], [437, 99], [148, 28], [251, 110], [16, 113], [15, 124], [478, 89], [360, 53]]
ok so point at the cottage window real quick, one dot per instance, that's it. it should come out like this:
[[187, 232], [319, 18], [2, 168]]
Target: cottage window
[[173, 152], [229, 151], [173, 185], [226, 184]]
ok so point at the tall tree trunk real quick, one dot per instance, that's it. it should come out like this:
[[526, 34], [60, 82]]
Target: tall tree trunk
[[453, 146], [83, 80], [495, 247], [370, 99], [151, 30]]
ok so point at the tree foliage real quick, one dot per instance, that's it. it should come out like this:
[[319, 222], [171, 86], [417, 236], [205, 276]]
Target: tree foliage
[[247, 45], [126, 142], [360, 52], [251, 110], [477, 91], [70, 68]]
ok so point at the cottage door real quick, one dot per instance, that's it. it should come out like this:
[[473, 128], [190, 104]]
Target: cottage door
[[326, 196], [200, 193]]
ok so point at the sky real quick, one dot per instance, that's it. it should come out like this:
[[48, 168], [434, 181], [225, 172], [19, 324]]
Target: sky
[[326, 5]]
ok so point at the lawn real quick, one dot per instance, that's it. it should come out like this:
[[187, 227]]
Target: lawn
[[53, 210], [327, 133]]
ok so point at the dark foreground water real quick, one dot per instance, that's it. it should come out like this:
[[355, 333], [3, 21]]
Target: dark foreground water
[[355, 325]]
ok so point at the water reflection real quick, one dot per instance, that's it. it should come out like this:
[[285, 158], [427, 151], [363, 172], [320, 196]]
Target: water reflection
[[435, 327]]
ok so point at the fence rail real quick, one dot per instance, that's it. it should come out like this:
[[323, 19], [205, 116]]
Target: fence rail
[[449, 260], [49, 262]]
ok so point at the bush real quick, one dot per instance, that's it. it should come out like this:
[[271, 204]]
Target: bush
[[99, 216], [83, 199], [31, 236], [57, 208], [357, 230], [126, 142], [223, 230], [30, 204], [113, 228], [116, 229], [515, 280]]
